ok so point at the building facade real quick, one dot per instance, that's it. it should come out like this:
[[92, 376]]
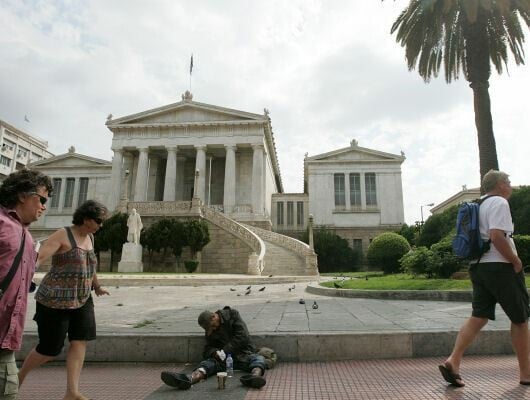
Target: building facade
[[355, 191], [18, 149], [229, 155]]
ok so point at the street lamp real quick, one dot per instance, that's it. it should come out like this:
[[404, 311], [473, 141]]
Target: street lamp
[[421, 209]]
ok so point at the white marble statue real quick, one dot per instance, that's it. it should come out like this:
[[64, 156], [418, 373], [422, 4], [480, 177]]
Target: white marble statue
[[134, 223]]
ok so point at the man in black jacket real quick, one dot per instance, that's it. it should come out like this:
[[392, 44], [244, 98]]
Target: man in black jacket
[[226, 333]]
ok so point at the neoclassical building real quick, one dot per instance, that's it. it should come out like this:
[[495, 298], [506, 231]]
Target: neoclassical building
[[195, 160], [158, 153]]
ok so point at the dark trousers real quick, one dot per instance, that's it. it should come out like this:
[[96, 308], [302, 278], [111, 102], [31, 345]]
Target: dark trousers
[[212, 366]]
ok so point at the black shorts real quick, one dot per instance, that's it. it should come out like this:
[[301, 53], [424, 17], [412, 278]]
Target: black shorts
[[497, 282], [53, 325]]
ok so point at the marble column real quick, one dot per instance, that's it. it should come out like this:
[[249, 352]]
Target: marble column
[[75, 200], [200, 165], [229, 198], [171, 174], [115, 178], [140, 190], [257, 179], [61, 195]]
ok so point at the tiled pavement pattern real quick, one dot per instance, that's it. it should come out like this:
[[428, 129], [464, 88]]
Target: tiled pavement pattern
[[487, 377], [174, 309]]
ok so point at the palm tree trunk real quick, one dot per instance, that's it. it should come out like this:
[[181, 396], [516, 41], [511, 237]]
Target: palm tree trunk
[[483, 121], [478, 71]]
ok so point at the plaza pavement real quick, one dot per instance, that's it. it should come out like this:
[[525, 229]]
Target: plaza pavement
[[374, 348]]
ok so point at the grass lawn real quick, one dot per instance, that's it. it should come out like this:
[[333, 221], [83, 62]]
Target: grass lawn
[[378, 281]]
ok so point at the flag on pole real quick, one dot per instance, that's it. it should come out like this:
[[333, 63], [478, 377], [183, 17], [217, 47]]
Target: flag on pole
[[191, 64]]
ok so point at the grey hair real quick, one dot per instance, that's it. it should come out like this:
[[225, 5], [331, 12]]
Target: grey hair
[[492, 177]]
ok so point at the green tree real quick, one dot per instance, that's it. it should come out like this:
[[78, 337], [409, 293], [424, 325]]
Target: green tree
[[197, 235], [111, 236], [166, 234], [409, 232], [520, 206], [333, 252], [386, 250], [437, 226], [467, 36]]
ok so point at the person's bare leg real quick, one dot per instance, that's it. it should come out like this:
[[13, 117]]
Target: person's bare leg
[[74, 364], [521, 346], [32, 360], [465, 337]]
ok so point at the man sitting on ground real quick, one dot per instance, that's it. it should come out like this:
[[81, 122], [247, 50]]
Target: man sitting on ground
[[226, 333]]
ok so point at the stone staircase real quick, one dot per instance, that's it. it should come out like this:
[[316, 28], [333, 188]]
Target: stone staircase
[[281, 261], [285, 255]]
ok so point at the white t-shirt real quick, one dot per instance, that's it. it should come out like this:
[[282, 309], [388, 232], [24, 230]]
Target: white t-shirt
[[494, 213]]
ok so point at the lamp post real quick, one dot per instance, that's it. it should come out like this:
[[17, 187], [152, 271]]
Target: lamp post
[[421, 210]]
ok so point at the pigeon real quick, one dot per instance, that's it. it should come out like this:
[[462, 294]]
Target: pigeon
[[290, 289], [270, 276], [247, 292], [232, 289], [315, 305], [248, 288], [337, 286], [366, 277], [301, 301], [262, 289], [239, 294], [294, 286]]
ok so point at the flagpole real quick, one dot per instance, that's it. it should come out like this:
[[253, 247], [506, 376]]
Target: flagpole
[[191, 68]]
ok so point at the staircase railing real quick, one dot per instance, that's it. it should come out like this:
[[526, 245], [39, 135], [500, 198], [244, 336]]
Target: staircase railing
[[239, 230]]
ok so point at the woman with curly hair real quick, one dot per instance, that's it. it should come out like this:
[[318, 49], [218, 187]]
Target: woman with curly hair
[[64, 301]]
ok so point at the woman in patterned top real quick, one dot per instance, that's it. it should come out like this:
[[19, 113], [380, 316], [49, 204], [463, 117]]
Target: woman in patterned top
[[64, 301]]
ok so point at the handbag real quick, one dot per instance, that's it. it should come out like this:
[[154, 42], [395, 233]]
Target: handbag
[[14, 267]]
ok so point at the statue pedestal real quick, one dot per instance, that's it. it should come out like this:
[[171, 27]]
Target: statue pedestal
[[131, 258]]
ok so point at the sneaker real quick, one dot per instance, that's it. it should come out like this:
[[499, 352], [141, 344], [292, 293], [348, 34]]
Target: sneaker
[[175, 379], [253, 381]]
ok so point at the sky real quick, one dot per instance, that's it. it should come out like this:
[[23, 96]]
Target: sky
[[328, 71]]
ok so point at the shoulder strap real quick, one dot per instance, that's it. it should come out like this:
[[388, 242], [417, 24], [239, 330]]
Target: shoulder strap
[[91, 239], [14, 267], [71, 237], [480, 201]]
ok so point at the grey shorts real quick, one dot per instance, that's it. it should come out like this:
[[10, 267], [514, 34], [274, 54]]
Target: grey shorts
[[497, 282], [8, 375]]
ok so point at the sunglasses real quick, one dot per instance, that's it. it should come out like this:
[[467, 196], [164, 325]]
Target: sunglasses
[[98, 221], [42, 199]]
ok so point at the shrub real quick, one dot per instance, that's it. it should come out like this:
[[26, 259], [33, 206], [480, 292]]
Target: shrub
[[520, 206], [416, 261], [197, 235], [111, 236], [437, 227], [409, 232], [191, 265], [333, 252], [522, 243], [386, 250], [443, 262]]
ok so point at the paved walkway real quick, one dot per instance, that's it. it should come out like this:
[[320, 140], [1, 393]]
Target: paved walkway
[[492, 377], [171, 311], [275, 309]]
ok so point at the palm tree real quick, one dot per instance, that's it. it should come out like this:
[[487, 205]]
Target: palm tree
[[467, 36]]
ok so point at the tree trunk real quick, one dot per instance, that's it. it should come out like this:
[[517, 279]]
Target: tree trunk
[[478, 71], [486, 140]]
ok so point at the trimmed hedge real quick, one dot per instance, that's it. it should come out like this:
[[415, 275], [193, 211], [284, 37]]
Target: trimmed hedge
[[386, 250], [522, 243]]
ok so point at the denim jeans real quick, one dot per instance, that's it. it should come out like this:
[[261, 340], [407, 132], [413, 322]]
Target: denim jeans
[[212, 366]]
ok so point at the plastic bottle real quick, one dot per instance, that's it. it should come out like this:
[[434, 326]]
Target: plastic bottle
[[229, 365]]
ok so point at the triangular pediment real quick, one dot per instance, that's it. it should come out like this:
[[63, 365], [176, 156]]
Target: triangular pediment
[[357, 154], [186, 112], [70, 160]]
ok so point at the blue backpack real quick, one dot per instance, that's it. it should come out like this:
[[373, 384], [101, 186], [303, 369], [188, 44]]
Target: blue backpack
[[467, 244]]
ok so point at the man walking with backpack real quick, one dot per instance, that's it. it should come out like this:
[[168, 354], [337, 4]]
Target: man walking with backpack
[[498, 277]]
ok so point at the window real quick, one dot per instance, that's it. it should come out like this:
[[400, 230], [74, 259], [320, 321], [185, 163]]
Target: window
[[5, 161], [300, 213], [358, 244], [355, 189], [340, 198], [56, 192], [279, 213], [69, 193], [83, 190], [290, 213], [7, 145], [22, 153], [371, 193]]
